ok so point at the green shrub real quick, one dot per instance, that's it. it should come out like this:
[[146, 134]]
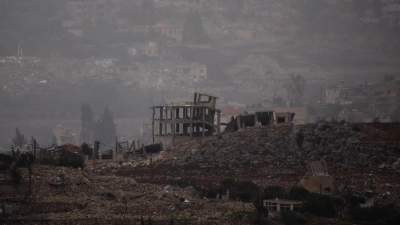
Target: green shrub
[[237, 216], [210, 192], [298, 193], [322, 205], [16, 175], [25, 159], [61, 158], [7, 159], [69, 159], [15, 154], [262, 214], [262, 210], [228, 183], [46, 158], [355, 201], [291, 218], [87, 150], [376, 214], [246, 191], [272, 192], [4, 166]]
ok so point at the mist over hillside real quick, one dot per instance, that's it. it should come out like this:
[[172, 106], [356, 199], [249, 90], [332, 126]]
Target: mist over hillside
[[200, 111]]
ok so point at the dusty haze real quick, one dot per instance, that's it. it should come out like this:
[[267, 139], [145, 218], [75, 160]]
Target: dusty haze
[[132, 54]]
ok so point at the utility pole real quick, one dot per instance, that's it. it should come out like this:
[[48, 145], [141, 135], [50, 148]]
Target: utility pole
[[116, 147], [34, 147], [96, 149], [29, 162]]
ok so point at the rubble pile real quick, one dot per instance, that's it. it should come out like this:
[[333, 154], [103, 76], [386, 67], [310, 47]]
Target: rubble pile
[[269, 155], [274, 154], [63, 193]]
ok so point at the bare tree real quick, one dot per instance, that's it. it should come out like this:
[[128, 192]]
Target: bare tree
[[19, 139]]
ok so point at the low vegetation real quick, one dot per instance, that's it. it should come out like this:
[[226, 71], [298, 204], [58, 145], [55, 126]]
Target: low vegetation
[[376, 214], [322, 205], [245, 191], [61, 158], [291, 218], [5, 161], [316, 204], [16, 175]]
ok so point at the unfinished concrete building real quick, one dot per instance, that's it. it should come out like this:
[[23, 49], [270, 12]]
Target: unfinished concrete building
[[199, 118], [262, 118]]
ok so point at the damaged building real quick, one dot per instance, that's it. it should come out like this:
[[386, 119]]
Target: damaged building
[[199, 118], [260, 118]]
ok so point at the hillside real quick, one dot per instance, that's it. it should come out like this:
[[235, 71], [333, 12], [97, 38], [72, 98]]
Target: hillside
[[279, 155], [357, 156], [121, 193]]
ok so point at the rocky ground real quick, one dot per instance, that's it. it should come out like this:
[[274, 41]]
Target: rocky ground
[[70, 196], [276, 154], [272, 155]]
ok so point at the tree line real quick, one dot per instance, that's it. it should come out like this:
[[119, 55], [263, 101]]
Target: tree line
[[102, 129]]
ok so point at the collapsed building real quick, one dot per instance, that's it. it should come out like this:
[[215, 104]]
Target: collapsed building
[[201, 118], [261, 118], [192, 119]]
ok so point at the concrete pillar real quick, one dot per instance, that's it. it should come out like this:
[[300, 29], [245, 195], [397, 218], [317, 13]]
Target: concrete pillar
[[173, 125], [166, 118], [218, 124], [161, 119], [191, 122], [177, 117], [204, 121], [152, 125], [177, 113]]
